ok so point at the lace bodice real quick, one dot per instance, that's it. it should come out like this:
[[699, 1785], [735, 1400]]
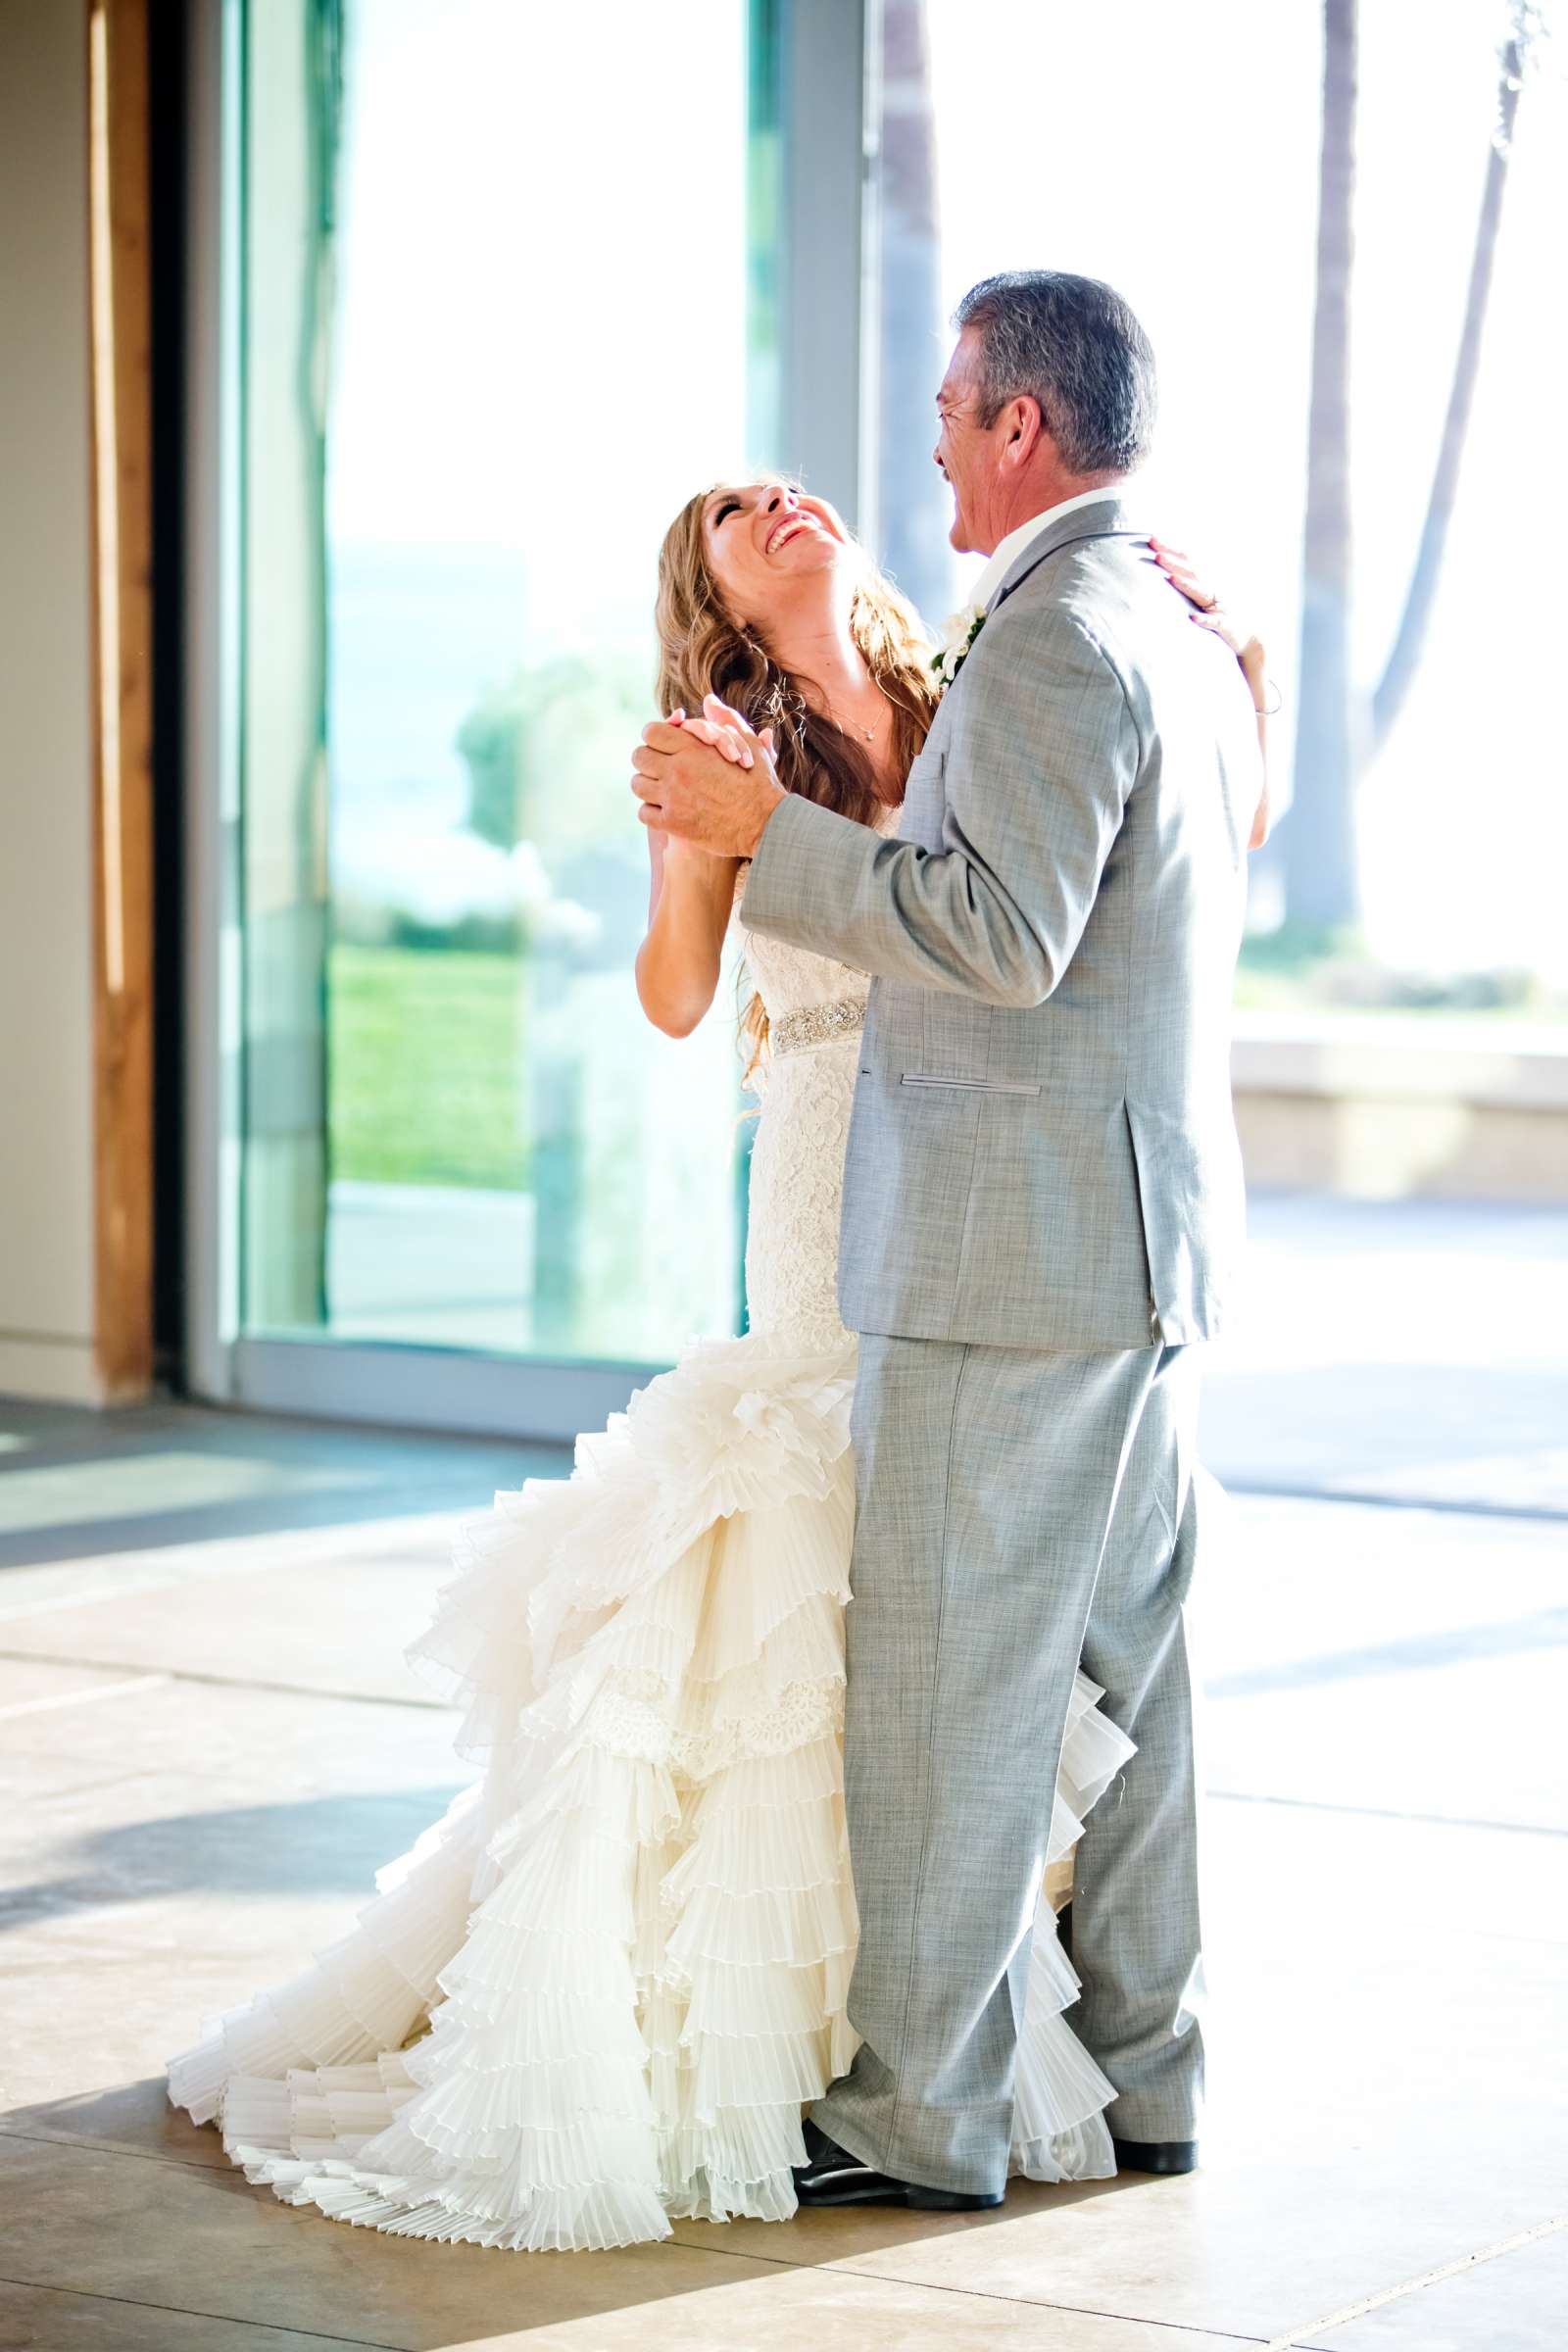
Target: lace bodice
[[807, 1087], [790, 979]]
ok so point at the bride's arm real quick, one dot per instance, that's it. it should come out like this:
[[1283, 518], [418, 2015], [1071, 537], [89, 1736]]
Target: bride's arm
[[688, 910], [688, 913], [1248, 652]]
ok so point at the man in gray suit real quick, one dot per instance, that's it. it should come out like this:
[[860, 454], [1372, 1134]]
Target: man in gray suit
[[1042, 1205]]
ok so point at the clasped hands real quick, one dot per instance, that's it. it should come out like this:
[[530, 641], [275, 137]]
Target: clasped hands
[[710, 782]]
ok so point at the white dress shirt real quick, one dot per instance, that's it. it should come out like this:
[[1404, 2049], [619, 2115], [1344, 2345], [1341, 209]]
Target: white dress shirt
[[1012, 546]]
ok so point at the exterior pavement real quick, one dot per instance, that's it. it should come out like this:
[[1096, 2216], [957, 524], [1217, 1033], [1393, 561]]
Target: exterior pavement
[[208, 1740]]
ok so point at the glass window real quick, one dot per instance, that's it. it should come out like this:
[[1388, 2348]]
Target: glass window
[[489, 350]]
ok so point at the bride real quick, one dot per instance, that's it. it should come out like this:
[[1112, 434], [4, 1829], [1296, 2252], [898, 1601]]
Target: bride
[[595, 1994]]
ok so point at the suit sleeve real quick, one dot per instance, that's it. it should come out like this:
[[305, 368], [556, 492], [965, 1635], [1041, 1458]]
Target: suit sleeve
[[1040, 763]]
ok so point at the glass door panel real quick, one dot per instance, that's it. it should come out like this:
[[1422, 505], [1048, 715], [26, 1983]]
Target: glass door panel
[[489, 350]]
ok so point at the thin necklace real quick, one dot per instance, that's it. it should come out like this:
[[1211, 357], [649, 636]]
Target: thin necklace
[[866, 734], [851, 726]]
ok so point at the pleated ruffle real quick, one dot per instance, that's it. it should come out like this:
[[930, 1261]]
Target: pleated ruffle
[[597, 1992]]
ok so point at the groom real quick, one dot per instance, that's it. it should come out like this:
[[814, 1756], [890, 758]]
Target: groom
[[1042, 1201]]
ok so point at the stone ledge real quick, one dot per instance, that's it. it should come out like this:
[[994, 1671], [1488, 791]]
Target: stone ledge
[[1389, 1107], [1396, 1057]]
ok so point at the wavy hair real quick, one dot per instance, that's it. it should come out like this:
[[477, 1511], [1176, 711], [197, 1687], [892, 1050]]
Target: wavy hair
[[703, 649]]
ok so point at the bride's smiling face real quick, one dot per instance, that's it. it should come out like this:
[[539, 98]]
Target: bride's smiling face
[[769, 544]]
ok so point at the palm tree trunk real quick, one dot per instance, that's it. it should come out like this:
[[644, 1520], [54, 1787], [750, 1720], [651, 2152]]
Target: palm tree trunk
[[1409, 642], [1321, 889]]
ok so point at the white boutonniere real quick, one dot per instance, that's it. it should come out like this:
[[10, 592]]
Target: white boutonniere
[[958, 636]]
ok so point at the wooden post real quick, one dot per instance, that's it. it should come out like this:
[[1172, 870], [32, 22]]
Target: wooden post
[[121, 609]]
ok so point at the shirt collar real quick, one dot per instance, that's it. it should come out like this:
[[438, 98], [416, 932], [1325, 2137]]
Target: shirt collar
[[1012, 546]]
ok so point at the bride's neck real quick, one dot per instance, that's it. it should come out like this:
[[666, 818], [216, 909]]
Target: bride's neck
[[814, 643], [816, 646]]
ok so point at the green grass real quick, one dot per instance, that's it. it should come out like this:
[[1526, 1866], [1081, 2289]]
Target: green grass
[[425, 1067], [1302, 971], [426, 1055]]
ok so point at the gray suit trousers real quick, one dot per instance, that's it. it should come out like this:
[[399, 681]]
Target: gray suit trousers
[[1016, 1510]]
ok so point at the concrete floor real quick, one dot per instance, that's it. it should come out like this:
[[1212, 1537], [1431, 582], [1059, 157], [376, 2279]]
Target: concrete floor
[[209, 1740]]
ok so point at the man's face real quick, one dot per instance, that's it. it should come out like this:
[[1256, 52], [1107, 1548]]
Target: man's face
[[968, 454]]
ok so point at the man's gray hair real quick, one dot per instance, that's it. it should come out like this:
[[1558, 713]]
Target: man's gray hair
[[1073, 345]]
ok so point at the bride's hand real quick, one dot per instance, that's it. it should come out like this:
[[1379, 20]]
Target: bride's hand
[[1249, 652], [728, 732], [1208, 614], [724, 739]]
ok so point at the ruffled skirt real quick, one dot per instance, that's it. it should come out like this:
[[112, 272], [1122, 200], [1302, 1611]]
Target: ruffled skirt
[[594, 1996]]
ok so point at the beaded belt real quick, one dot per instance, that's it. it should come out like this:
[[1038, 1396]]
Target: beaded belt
[[815, 1024]]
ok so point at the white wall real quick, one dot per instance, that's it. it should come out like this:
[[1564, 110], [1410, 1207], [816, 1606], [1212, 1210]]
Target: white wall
[[47, 1034]]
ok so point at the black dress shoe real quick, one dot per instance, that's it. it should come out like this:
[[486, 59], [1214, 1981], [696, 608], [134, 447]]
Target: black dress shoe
[[831, 2176], [1157, 2155]]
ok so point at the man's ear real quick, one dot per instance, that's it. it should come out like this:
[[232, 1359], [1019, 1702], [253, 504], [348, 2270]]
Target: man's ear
[[1026, 427]]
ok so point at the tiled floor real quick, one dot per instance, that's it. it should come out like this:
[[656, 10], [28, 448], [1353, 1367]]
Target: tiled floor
[[207, 1741]]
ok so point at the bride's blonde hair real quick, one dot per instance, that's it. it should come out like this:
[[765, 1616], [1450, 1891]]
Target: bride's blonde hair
[[704, 650]]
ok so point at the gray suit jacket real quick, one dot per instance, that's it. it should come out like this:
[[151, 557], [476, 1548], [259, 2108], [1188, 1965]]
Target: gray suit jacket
[[1042, 1152]]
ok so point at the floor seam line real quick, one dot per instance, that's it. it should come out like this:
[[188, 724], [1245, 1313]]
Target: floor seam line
[[1541, 1513], [102, 2147], [1296, 2339], [53, 1701], [977, 2294], [1436, 1821], [225, 1682], [182, 2311], [1087, 2310]]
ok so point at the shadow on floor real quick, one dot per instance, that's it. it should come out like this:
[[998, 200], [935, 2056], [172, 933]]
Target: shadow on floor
[[135, 2118], [76, 1483], [316, 1845], [1448, 1645]]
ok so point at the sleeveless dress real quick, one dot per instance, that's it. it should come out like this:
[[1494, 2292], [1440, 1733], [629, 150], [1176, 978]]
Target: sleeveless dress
[[594, 1995]]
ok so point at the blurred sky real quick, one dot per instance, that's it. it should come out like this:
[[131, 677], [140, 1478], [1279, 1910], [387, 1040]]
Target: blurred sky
[[542, 350]]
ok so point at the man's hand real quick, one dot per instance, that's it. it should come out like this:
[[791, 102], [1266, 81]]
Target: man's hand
[[716, 796]]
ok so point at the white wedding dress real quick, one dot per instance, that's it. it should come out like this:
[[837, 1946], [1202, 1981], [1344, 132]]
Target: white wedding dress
[[596, 1992]]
